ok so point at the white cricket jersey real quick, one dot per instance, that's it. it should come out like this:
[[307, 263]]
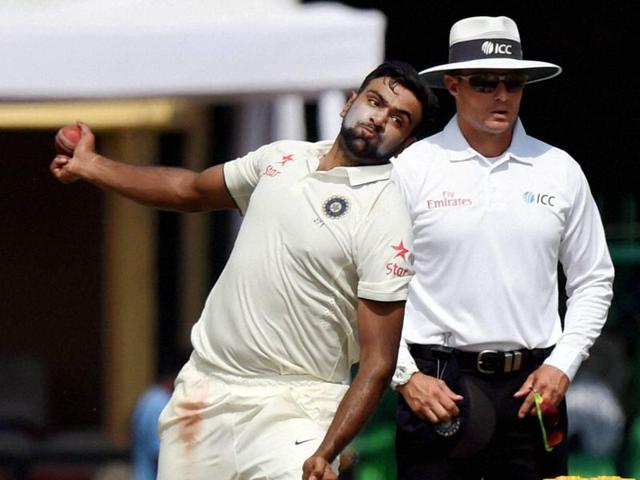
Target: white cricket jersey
[[311, 243], [488, 237]]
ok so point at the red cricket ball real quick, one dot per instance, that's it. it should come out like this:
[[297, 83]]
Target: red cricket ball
[[66, 139]]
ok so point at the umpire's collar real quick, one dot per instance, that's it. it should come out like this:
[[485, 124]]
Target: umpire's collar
[[458, 149]]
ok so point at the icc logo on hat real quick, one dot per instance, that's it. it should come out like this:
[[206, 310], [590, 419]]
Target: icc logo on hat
[[488, 48]]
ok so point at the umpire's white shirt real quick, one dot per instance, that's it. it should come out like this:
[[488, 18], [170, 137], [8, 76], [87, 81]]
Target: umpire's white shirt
[[311, 243], [488, 235]]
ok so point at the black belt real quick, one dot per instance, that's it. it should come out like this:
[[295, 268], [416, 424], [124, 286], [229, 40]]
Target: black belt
[[487, 362]]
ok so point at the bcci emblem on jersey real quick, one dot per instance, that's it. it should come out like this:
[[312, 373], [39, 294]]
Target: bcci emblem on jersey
[[335, 207]]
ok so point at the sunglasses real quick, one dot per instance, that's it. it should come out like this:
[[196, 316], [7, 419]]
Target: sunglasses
[[485, 82], [548, 419]]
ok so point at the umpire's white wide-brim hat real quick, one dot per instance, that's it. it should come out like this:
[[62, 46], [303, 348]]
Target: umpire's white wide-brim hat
[[488, 43]]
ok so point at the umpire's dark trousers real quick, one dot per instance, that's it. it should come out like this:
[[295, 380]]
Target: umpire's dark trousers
[[513, 449]]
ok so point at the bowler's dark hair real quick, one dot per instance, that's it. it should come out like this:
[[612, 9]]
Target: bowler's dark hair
[[408, 77]]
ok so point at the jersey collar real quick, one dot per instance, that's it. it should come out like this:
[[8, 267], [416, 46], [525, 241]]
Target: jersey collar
[[460, 150], [356, 175]]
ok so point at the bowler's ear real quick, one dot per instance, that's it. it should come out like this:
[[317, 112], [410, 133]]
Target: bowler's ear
[[347, 105]]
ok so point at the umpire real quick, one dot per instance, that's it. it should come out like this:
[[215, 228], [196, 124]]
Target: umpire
[[494, 210]]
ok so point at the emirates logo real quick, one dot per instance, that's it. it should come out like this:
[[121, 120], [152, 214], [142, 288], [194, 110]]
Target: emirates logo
[[449, 199]]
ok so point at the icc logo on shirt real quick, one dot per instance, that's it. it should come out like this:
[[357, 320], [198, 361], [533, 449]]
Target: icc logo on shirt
[[539, 198]]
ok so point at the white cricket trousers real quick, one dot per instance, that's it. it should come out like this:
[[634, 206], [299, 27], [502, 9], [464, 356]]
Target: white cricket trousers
[[222, 427]]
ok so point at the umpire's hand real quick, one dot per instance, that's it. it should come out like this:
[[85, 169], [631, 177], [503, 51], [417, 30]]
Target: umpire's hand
[[430, 398]]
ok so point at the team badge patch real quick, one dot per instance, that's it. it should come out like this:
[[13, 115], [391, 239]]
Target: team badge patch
[[446, 429], [335, 207]]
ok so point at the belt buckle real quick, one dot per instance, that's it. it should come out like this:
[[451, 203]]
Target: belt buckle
[[479, 361], [512, 361]]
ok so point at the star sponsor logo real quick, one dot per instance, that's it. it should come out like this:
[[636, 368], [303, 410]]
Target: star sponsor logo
[[392, 268], [285, 159], [449, 199], [335, 206], [401, 250], [539, 199]]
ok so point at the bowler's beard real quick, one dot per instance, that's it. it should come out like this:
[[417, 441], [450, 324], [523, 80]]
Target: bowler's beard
[[361, 148]]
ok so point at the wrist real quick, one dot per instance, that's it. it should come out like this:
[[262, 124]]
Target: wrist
[[402, 375], [88, 168], [325, 454]]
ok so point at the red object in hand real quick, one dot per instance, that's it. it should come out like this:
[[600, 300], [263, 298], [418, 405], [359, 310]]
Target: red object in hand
[[66, 139], [550, 414], [548, 417], [555, 438], [551, 418]]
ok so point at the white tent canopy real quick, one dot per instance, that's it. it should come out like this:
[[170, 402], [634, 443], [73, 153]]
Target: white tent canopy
[[80, 49]]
